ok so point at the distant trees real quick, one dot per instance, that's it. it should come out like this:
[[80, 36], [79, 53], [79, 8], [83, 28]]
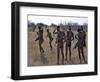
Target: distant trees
[[53, 25], [69, 23], [85, 25], [32, 26], [40, 24]]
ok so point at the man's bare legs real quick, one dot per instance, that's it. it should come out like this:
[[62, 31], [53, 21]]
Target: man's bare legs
[[40, 47], [70, 53], [58, 51], [66, 52], [82, 51], [79, 54], [62, 54]]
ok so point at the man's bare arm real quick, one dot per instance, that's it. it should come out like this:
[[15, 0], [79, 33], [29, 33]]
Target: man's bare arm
[[54, 32], [72, 36], [76, 36]]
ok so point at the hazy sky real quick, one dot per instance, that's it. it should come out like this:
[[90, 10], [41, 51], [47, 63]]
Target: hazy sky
[[56, 19]]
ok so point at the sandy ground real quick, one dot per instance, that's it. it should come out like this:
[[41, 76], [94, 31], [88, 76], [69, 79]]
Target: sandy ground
[[35, 58]]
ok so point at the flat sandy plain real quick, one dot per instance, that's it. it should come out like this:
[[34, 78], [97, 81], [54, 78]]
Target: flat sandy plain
[[35, 58]]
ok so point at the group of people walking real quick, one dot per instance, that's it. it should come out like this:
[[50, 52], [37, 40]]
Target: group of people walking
[[64, 38]]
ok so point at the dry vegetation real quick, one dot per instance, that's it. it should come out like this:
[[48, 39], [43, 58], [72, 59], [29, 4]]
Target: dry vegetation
[[49, 57]]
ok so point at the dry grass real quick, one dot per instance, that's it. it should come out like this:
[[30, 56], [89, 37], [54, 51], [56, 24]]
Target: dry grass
[[49, 57]]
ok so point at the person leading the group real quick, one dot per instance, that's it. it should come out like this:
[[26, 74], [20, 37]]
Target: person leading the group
[[40, 38]]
